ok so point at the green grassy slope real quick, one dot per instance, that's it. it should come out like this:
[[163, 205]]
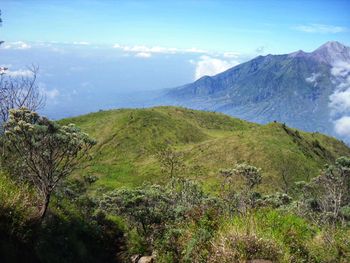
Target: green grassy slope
[[129, 138]]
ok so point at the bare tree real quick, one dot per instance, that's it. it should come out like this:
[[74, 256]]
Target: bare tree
[[19, 91]]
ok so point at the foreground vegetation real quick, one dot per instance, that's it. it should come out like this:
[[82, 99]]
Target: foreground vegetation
[[174, 185], [177, 222]]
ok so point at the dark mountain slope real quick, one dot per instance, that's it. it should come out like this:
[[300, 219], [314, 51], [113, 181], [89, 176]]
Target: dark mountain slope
[[293, 88]]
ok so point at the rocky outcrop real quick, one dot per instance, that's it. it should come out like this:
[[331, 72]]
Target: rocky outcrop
[[142, 259]]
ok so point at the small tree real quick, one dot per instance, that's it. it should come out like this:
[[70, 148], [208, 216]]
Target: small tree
[[250, 174], [171, 161], [242, 199], [332, 188], [41, 151], [147, 208]]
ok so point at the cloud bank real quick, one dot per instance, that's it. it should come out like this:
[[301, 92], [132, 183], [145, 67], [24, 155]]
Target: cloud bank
[[342, 126], [145, 51], [206, 63], [19, 73], [16, 45], [209, 66], [340, 99]]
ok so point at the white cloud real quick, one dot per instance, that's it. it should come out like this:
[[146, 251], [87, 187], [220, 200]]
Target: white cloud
[[19, 73], [340, 102], [340, 69], [209, 66], [50, 94], [342, 126], [260, 49], [156, 49], [81, 43], [340, 99], [207, 62], [320, 28], [313, 78], [143, 55], [17, 45], [231, 54]]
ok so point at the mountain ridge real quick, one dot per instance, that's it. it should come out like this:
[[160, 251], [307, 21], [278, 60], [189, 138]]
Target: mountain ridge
[[128, 141], [294, 88]]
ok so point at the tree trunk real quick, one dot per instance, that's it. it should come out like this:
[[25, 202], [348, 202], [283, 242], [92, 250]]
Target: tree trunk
[[44, 207]]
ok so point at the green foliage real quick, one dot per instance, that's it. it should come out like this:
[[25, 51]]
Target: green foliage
[[330, 245], [240, 198], [265, 234], [16, 200], [171, 161], [189, 240], [276, 200], [250, 174], [327, 196], [234, 247], [184, 220], [154, 210], [146, 207], [41, 152], [72, 232]]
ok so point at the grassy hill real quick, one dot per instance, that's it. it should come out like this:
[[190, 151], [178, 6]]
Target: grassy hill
[[128, 140]]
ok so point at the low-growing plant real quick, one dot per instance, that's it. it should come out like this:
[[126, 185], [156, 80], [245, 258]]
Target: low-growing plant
[[235, 247], [16, 200]]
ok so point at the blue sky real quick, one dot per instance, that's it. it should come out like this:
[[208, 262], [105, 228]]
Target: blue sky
[[241, 26], [105, 54]]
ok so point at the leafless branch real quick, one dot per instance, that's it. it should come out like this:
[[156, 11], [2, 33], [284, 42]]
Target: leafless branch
[[20, 91]]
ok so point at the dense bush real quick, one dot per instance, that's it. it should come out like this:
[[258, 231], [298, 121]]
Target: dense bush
[[72, 230], [155, 211], [233, 247], [327, 197]]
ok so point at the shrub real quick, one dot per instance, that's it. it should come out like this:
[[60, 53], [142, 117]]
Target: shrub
[[330, 245], [157, 211], [16, 207], [276, 200], [327, 196], [238, 247]]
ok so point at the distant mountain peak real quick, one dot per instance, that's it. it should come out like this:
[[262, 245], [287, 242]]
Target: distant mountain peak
[[332, 46], [299, 53], [332, 52]]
